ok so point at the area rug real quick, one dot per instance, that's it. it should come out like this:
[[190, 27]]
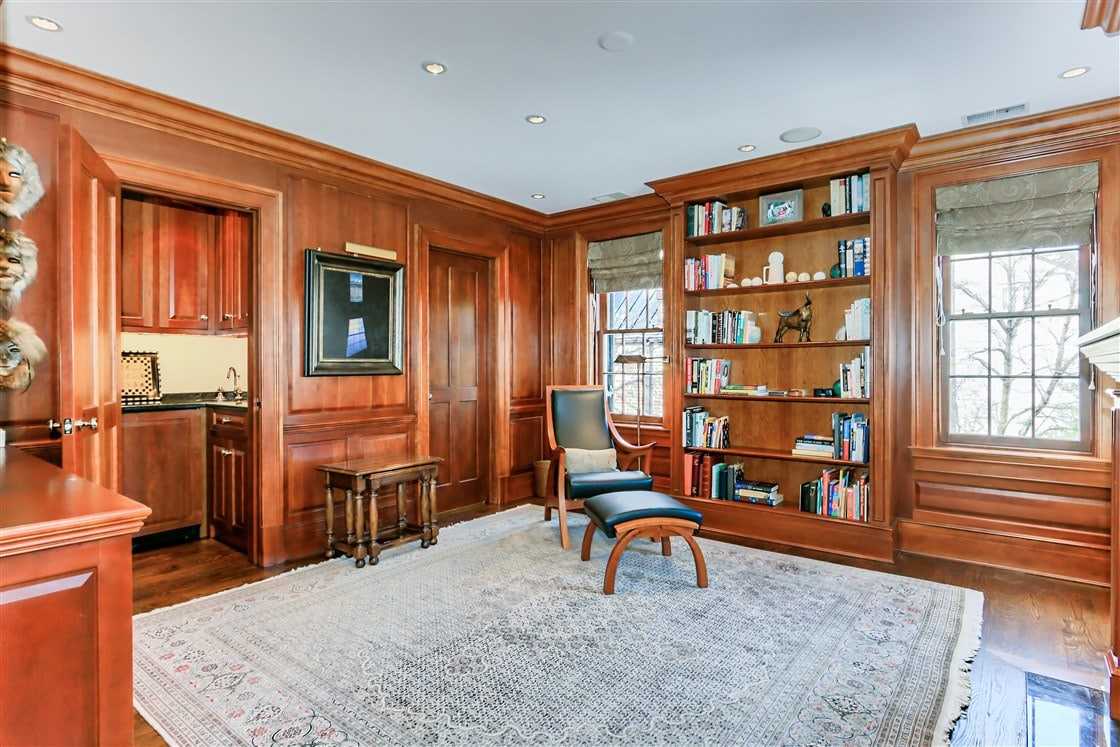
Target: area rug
[[497, 636]]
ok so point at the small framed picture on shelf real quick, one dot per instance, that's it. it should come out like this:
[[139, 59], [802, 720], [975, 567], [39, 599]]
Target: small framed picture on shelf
[[783, 207]]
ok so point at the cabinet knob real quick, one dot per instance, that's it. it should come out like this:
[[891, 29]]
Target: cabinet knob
[[227, 452], [225, 420], [227, 316], [204, 317]]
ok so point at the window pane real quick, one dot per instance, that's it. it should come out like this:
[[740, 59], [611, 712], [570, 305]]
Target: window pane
[[1055, 342], [969, 291], [968, 347], [968, 413], [1057, 414], [1057, 279], [637, 317], [1010, 346], [656, 315], [1011, 283], [616, 310], [1012, 407]]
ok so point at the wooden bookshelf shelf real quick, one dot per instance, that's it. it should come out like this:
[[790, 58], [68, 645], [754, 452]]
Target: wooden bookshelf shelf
[[814, 344], [811, 225], [758, 453], [746, 290], [834, 401]]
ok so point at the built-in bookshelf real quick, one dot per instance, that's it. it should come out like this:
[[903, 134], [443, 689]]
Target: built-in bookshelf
[[760, 408]]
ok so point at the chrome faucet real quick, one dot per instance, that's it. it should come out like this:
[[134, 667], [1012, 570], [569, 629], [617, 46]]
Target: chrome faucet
[[237, 393]]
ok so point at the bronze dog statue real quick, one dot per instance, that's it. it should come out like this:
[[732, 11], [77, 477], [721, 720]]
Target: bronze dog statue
[[800, 319]]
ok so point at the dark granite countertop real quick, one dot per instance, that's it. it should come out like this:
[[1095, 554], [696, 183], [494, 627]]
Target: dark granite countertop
[[186, 401]]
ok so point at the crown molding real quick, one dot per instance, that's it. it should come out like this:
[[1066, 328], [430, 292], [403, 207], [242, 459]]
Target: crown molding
[[1103, 13], [42, 78], [1019, 136], [643, 208]]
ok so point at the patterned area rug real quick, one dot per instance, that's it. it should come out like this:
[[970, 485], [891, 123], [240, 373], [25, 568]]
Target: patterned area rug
[[497, 636]]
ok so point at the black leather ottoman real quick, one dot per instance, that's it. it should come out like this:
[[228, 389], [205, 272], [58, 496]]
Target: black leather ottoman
[[630, 514]]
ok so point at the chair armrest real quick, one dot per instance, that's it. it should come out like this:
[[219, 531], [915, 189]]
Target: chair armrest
[[629, 454]]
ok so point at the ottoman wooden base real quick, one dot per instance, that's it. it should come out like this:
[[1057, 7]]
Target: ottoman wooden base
[[655, 515]]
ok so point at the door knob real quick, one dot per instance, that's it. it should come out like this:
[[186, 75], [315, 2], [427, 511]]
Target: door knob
[[80, 424], [227, 452]]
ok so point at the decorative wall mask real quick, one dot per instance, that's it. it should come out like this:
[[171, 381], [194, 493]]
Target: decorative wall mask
[[19, 264], [20, 351], [20, 185]]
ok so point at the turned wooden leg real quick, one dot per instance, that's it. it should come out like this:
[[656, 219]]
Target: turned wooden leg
[[402, 520], [349, 516], [585, 548], [330, 520], [424, 514], [433, 513], [359, 532], [374, 547]]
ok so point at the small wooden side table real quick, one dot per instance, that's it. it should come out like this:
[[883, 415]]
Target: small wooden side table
[[361, 479]]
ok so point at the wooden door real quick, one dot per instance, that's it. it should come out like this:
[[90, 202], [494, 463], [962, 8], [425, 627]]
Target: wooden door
[[459, 376], [89, 344], [235, 229], [187, 237], [228, 497]]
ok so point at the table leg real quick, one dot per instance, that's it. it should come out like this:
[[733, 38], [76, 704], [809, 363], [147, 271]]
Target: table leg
[[433, 521], [359, 531], [374, 547], [402, 520], [349, 516], [330, 520]]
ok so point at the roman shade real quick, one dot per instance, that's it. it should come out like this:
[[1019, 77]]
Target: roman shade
[[629, 263], [1033, 211]]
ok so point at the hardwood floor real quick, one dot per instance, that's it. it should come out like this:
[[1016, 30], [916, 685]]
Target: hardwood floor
[[1054, 628]]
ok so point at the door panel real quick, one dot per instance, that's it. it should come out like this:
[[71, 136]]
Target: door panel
[[459, 425], [90, 196]]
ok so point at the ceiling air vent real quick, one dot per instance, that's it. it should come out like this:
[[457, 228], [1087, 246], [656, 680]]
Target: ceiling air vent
[[994, 115], [611, 197]]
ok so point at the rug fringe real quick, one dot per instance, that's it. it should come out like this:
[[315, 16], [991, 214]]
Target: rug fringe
[[958, 690]]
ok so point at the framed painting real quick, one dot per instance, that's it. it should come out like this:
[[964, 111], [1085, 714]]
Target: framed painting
[[783, 207], [354, 316]]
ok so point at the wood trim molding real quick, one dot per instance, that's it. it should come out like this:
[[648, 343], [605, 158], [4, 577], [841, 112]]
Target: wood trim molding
[[1001, 141], [47, 79], [884, 149], [1103, 13], [636, 209]]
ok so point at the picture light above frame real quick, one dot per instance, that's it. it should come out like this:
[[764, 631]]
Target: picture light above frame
[[354, 310]]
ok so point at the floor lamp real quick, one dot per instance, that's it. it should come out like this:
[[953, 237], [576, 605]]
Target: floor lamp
[[640, 361]]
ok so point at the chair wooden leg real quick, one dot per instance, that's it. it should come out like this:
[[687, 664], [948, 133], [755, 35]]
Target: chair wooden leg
[[561, 510], [612, 561], [547, 509], [701, 566], [585, 549], [666, 549]]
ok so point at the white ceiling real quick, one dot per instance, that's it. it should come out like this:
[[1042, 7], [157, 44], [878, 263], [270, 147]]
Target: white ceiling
[[700, 79]]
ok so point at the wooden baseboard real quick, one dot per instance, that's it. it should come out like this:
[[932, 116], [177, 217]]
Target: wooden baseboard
[[1056, 559]]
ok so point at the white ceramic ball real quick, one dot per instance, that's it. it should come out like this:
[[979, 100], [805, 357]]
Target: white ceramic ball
[[756, 280], [803, 277], [791, 276], [819, 275]]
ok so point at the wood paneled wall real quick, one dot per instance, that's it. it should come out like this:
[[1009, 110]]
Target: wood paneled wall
[[323, 198]]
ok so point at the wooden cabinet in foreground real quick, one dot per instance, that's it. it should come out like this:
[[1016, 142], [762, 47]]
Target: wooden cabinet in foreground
[[228, 464], [789, 314], [163, 466]]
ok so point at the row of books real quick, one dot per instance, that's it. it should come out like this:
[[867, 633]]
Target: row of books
[[850, 194], [857, 319], [709, 272], [851, 437], [714, 216], [702, 430], [855, 377], [840, 492], [706, 375], [853, 256], [703, 327], [708, 476]]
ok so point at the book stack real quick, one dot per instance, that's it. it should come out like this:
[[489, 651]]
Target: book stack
[[706, 375], [855, 377], [702, 327], [850, 194], [851, 437], [841, 493], [813, 445], [751, 390], [757, 491], [710, 272], [853, 256], [714, 216], [857, 319]]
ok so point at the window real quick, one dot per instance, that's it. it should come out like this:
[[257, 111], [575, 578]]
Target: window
[[630, 323], [1011, 373], [1015, 272]]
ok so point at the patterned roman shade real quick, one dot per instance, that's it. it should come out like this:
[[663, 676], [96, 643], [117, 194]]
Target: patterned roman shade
[[1041, 210], [630, 263]]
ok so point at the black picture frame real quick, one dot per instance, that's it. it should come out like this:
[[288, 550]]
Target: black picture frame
[[354, 316]]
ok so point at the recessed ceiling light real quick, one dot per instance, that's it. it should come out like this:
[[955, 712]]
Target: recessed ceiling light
[[46, 24], [799, 134], [746, 148], [535, 119], [537, 196], [434, 68], [1075, 72]]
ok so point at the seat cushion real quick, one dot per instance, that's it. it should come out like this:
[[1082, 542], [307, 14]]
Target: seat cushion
[[608, 510], [594, 483]]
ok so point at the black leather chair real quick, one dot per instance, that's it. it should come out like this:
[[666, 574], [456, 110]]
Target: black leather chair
[[579, 425]]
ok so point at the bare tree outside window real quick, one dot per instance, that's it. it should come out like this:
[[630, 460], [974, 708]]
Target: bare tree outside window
[[632, 323], [1011, 374]]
